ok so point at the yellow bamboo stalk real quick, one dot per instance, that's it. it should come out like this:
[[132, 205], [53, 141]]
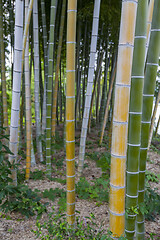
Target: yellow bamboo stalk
[[107, 105], [120, 117], [153, 118], [3, 77], [70, 110], [57, 69]]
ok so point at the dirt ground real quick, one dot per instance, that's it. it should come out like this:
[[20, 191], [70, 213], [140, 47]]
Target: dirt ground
[[14, 226]]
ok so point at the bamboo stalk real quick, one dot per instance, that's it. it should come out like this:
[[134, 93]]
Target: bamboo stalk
[[148, 94], [89, 85], [45, 64], [27, 99], [157, 126], [120, 118], [107, 104], [3, 75], [94, 88], [17, 67], [57, 68], [36, 79], [70, 110], [149, 23], [153, 119], [49, 86], [135, 114]]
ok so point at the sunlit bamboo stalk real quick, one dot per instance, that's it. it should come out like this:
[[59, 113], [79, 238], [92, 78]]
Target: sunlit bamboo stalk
[[120, 118], [70, 110]]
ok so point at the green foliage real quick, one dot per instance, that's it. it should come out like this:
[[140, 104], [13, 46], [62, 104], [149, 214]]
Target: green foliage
[[152, 204], [16, 198], [150, 176], [52, 194], [57, 228], [37, 175], [97, 191]]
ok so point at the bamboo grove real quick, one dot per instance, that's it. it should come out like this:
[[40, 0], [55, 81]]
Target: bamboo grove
[[78, 64]]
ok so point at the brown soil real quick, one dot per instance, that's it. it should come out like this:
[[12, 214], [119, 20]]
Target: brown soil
[[14, 226]]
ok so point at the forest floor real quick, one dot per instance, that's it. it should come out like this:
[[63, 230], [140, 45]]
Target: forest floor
[[14, 226]]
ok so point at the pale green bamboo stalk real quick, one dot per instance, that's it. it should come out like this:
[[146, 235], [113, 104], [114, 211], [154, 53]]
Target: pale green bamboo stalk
[[17, 67], [148, 94], [45, 64], [27, 99], [89, 85], [49, 86], [57, 68], [135, 114], [153, 119], [3, 75], [120, 118], [36, 79]]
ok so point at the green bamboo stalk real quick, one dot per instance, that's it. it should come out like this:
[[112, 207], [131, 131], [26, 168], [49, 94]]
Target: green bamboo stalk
[[36, 79], [45, 64], [70, 110], [104, 89], [27, 99], [148, 94], [17, 67], [57, 68], [89, 86], [3, 75], [135, 114], [153, 118], [49, 86], [120, 117]]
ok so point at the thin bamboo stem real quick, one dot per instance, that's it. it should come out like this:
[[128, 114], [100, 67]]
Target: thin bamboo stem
[[153, 119], [107, 104], [89, 85]]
